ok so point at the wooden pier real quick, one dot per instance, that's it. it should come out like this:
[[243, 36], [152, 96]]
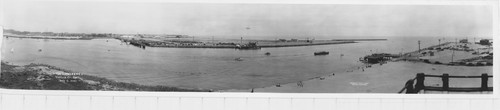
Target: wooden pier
[[416, 84]]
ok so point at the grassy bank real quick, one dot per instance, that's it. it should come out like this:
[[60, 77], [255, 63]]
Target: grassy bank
[[47, 77]]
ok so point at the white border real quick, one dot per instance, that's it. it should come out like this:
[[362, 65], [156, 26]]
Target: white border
[[496, 67]]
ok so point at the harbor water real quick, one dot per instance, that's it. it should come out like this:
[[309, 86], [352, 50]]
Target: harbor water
[[198, 67]]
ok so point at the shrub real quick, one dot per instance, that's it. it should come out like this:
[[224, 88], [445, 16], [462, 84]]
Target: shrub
[[489, 63]]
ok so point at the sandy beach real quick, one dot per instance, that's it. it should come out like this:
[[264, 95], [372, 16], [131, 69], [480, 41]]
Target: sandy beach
[[369, 80]]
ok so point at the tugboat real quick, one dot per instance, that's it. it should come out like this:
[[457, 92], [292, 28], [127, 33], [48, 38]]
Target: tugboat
[[321, 53]]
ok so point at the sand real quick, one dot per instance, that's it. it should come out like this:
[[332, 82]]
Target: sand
[[387, 78], [390, 77]]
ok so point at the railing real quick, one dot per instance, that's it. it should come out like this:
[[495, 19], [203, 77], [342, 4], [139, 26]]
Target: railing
[[419, 85]]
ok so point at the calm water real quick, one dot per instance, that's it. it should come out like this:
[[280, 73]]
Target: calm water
[[198, 68]]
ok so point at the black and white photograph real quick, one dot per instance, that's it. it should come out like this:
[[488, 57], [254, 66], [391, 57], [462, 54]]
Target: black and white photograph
[[247, 47]]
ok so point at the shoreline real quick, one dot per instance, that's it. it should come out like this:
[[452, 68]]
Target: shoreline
[[48, 37], [368, 80], [409, 58], [141, 43], [417, 57], [48, 77]]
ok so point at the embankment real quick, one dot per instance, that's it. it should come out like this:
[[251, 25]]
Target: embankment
[[47, 77]]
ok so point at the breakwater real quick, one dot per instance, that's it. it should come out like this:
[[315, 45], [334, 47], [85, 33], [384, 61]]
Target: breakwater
[[304, 44], [359, 39], [263, 44]]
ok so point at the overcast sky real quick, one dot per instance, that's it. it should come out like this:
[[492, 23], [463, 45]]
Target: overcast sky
[[262, 19]]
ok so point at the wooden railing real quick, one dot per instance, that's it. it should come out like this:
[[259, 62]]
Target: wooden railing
[[416, 84]]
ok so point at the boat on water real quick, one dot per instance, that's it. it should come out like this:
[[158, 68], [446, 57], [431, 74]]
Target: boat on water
[[267, 53], [321, 53], [238, 59]]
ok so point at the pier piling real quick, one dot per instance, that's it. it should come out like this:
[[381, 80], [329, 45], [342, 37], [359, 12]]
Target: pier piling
[[484, 81], [420, 82], [446, 79]]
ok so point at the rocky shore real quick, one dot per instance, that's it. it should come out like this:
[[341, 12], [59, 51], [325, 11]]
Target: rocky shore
[[47, 77]]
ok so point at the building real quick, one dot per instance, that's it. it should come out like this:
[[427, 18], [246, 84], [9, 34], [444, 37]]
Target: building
[[463, 41], [484, 42]]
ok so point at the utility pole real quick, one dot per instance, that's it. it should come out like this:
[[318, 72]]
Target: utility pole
[[419, 46], [401, 52], [452, 54], [439, 42]]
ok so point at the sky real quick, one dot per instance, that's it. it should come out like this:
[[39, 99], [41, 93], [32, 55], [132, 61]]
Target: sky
[[202, 19]]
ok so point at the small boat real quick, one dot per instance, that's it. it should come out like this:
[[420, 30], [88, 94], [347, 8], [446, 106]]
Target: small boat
[[39, 50], [321, 53], [238, 59], [267, 53]]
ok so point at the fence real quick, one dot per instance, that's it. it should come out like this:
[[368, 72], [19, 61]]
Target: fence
[[419, 85]]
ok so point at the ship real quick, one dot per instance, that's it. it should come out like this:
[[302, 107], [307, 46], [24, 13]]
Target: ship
[[321, 53]]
